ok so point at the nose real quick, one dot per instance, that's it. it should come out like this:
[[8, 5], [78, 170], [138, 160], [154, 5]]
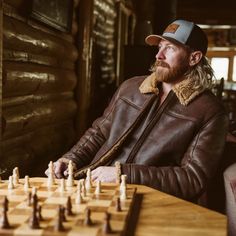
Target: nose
[[160, 54]]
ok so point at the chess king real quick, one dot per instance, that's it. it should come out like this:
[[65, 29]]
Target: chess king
[[166, 130]]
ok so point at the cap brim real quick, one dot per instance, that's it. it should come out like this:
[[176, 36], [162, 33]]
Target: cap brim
[[153, 39]]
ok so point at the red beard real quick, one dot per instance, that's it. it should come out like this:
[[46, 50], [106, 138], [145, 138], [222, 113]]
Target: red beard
[[164, 73]]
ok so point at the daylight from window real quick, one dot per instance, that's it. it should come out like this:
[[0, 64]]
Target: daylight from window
[[220, 66], [234, 69]]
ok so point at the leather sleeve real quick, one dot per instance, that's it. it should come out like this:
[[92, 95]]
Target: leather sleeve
[[83, 152], [198, 165]]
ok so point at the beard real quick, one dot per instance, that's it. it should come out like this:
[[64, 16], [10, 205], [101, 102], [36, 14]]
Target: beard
[[164, 73]]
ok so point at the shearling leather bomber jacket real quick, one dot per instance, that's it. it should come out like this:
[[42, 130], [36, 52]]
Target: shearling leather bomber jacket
[[174, 147]]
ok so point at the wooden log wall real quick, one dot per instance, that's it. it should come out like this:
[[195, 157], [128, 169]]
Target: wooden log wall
[[104, 52], [39, 78]]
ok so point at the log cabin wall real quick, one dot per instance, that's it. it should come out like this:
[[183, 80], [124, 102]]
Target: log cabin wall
[[104, 62], [39, 78]]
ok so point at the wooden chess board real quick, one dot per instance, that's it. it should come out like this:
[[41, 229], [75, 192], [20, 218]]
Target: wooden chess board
[[49, 198]]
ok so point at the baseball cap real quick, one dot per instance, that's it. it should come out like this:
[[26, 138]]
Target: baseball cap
[[183, 32]]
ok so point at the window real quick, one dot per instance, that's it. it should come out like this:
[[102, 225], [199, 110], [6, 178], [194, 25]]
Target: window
[[234, 69], [220, 66]]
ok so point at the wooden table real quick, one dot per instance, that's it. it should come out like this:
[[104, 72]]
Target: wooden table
[[162, 214]]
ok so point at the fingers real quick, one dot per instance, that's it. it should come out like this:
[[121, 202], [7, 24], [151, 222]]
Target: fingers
[[59, 169], [95, 174]]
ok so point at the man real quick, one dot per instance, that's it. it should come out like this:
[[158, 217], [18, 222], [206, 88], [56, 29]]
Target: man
[[167, 130]]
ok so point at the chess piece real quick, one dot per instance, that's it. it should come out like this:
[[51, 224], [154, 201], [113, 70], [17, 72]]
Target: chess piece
[[34, 198], [118, 171], [70, 179], [83, 188], [40, 217], [88, 182], [10, 183], [59, 221], [123, 195], [79, 198], [123, 182], [4, 223], [69, 207], [87, 219], [17, 172], [15, 176], [26, 184], [34, 220], [118, 206], [62, 212], [29, 199], [107, 226], [98, 188], [51, 177], [62, 186]]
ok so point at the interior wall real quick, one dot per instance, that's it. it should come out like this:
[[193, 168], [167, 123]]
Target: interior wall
[[39, 78]]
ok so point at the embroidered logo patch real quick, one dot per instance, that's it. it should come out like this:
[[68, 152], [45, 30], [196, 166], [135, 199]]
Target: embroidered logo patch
[[171, 28]]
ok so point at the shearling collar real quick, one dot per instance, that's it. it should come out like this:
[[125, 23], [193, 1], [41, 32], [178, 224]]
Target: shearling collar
[[184, 90]]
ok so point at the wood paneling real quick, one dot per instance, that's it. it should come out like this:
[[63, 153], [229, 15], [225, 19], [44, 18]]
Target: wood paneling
[[39, 78]]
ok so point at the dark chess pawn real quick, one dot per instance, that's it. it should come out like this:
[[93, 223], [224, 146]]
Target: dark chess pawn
[[107, 226], [34, 220], [87, 219], [4, 223], [118, 205], [40, 212], [62, 212], [59, 221], [69, 207]]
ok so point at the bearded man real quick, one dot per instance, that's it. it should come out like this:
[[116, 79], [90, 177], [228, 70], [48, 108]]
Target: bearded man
[[166, 130]]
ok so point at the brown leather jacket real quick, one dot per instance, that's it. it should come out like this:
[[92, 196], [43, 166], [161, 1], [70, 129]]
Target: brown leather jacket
[[174, 147]]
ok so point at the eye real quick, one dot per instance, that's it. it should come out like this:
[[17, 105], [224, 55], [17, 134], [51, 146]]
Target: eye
[[170, 48]]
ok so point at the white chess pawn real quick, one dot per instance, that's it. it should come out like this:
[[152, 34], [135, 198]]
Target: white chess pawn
[[123, 195], [51, 177], [15, 176], [79, 198], [62, 186], [98, 188], [26, 184], [88, 182], [70, 179], [123, 182], [10, 183], [84, 192]]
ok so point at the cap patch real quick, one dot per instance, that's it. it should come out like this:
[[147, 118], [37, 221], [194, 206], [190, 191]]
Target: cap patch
[[171, 28]]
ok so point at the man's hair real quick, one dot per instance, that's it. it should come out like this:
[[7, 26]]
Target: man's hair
[[202, 73]]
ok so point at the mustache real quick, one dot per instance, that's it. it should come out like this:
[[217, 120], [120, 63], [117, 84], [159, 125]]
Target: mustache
[[162, 63]]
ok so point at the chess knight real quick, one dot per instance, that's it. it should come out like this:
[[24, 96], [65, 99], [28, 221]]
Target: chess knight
[[167, 130]]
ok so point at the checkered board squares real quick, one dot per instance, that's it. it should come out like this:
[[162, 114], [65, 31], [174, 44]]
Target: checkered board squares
[[19, 211]]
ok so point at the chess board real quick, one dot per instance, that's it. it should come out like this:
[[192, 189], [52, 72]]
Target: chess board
[[50, 198]]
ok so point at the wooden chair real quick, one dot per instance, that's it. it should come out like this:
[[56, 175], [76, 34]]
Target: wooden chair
[[230, 191]]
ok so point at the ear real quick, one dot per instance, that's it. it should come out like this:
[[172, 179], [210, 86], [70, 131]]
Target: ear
[[195, 57]]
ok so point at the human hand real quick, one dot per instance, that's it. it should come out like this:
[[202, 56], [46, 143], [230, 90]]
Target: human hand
[[104, 174], [60, 168]]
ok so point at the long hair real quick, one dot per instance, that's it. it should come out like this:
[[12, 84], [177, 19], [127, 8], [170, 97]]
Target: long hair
[[202, 73]]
